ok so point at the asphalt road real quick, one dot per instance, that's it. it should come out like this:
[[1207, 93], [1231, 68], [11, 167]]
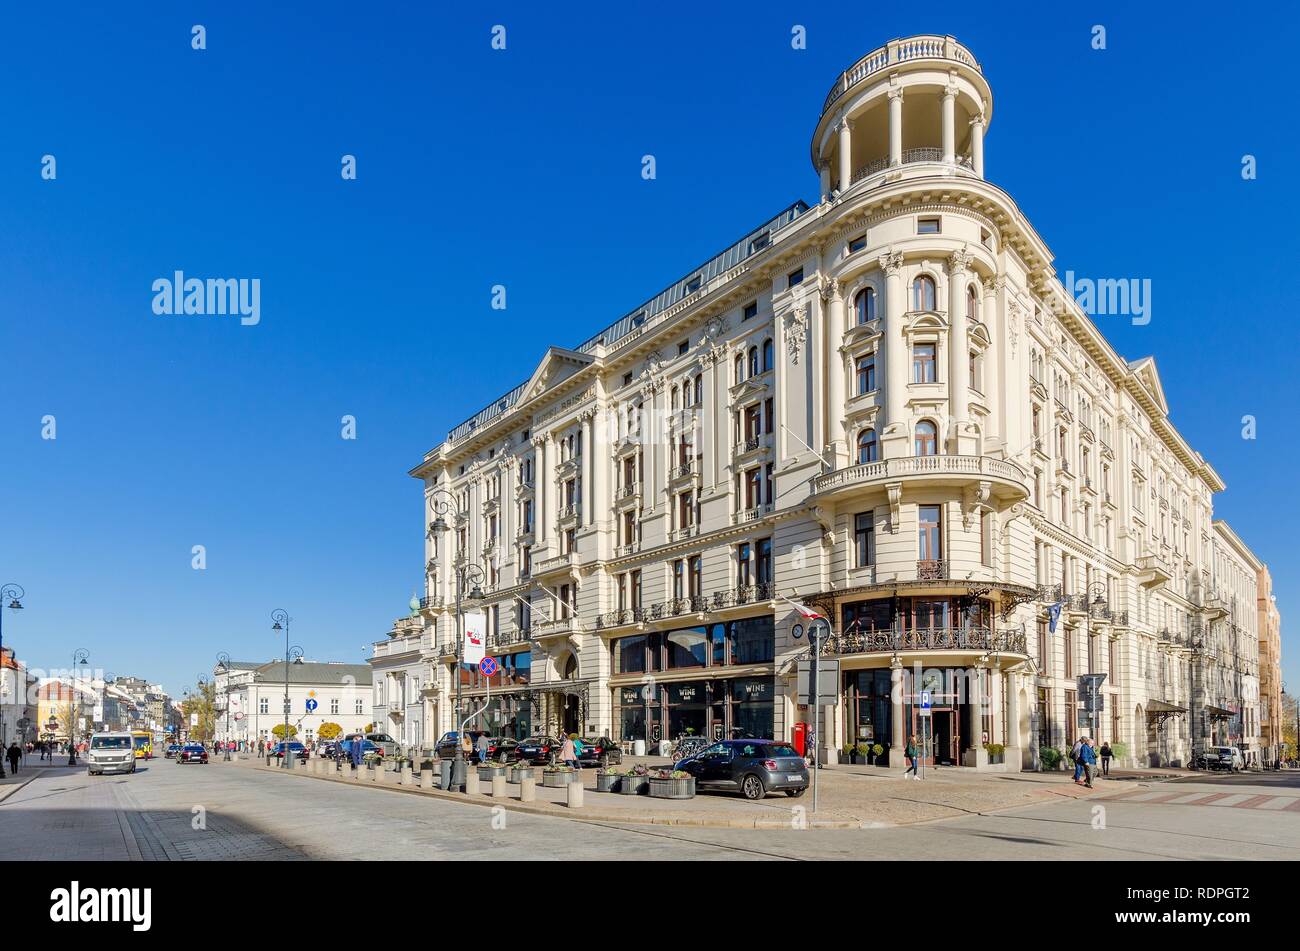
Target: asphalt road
[[224, 811]]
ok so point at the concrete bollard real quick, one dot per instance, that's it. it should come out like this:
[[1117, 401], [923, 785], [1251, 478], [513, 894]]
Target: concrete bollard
[[426, 779], [380, 775], [528, 789], [471, 782], [574, 792], [408, 776], [498, 787]]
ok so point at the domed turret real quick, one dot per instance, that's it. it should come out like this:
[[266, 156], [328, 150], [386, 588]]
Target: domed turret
[[915, 106]]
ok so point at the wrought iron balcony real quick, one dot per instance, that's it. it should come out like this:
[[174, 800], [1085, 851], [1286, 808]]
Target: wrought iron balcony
[[431, 602], [681, 471], [927, 639], [627, 491]]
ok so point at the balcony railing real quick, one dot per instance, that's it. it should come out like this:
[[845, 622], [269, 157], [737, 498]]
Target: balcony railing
[[680, 472], [899, 51], [927, 639], [627, 491], [751, 515], [556, 563], [929, 569], [719, 600], [901, 467], [431, 602]]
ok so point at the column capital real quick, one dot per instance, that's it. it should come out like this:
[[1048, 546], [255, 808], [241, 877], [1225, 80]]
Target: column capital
[[959, 261], [891, 262], [896, 94], [977, 120], [831, 289], [950, 91]]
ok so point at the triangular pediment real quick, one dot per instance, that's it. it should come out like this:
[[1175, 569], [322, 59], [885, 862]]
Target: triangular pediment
[[1148, 377], [555, 367]]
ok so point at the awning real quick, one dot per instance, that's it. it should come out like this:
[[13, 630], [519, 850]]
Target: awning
[[1160, 706], [1218, 713]]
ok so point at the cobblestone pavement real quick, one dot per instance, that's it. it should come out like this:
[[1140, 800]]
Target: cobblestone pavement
[[225, 811]]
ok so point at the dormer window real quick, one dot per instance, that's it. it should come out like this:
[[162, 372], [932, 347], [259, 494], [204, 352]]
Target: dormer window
[[761, 242], [693, 285]]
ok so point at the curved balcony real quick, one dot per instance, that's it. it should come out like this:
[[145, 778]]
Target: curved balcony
[[1007, 478], [910, 49], [946, 639]]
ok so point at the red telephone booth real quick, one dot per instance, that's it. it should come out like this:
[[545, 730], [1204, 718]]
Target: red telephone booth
[[799, 738]]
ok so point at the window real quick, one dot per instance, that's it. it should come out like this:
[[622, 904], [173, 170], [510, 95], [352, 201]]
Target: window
[[740, 367], [867, 447], [972, 310], [864, 305], [753, 487], [864, 538], [753, 361], [750, 311], [761, 242], [923, 293], [857, 244], [696, 565], [923, 363], [866, 373], [682, 347], [263, 705], [627, 379], [794, 277], [359, 707], [679, 578], [926, 443], [742, 565], [697, 390], [763, 561], [929, 537], [927, 226], [692, 285], [769, 355]]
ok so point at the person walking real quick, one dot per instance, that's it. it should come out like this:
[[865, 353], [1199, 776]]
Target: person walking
[[568, 755], [578, 747], [482, 746], [1076, 757], [1106, 754], [912, 755], [1088, 758], [15, 754], [357, 750]]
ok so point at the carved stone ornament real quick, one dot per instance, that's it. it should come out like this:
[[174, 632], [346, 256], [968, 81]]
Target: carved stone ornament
[[891, 261], [895, 490], [959, 261], [796, 331]]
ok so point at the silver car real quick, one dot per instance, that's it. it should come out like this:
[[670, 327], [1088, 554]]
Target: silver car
[[110, 753]]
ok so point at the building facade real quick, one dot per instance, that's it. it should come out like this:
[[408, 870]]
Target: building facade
[[885, 407], [250, 699], [1271, 714], [18, 695]]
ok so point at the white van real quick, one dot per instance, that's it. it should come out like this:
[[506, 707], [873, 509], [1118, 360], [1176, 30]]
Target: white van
[[111, 753]]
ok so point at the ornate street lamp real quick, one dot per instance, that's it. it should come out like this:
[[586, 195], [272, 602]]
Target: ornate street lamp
[[281, 621], [13, 593], [79, 656], [468, 575], [223, 664]]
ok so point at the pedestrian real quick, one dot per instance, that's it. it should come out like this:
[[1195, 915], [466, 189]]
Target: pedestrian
[[1089, 756], [577, 749], [357, 750], [15, 754], [1076, 753], [1106, 754], [568, 756], [482, 745], [912, 754]]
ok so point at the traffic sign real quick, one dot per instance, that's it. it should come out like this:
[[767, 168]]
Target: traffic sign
[[926, 700], [487, 666], [311, 705]]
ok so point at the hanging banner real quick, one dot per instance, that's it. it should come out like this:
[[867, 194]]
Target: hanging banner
[[475, 626]]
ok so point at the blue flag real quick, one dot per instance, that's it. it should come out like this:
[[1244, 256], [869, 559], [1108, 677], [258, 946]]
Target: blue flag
[[1053, 615]]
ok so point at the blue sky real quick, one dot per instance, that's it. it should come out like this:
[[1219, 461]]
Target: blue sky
[[521, 168]]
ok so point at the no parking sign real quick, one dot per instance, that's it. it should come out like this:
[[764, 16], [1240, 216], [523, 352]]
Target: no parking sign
[[487, 666]]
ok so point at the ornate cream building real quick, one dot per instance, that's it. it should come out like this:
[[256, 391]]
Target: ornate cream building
[[885, 407]]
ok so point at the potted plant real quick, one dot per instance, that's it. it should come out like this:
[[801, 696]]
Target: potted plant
[[850, 753], [876, 752], [996, 752], [519, 772], [1120, 751], [1049, 758], [672, 784], [634, 781], [608, 778], [557, 777], [486, 771]]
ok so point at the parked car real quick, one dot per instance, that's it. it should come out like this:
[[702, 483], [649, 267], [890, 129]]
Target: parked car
[[172, 750], [327, 750], [600, 751], [192, 753], [500, 748], [752, 767], [110, 753], [343, 750], [386, 743], [295, 748], [1222, 758], [539, 750]]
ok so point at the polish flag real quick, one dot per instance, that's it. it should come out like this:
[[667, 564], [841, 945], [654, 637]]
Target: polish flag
[[805, 612]]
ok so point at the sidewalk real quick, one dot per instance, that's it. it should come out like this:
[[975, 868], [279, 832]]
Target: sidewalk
[[848, 798], [30, 770]]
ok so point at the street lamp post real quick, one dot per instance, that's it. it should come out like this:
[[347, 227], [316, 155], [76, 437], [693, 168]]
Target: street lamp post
[[441, 502], [79, 656], [281, 621], [223, 663], [13, 593]]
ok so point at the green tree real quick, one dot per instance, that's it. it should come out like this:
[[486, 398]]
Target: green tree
[[329, 731], [202, 701]]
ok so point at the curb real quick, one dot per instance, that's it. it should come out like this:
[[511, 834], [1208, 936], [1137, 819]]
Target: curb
[[585, 816], [8, 789]]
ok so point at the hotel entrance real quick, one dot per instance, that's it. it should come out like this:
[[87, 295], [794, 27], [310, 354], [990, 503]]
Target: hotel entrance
[[938, 734]]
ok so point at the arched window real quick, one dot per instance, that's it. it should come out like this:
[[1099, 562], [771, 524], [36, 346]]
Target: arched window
[[864, 305], [972, 305], [740, 367], [753, 361], [699, 390], [926, 441], [867, 446], [923, 293], [769, 354], [866, 373], [674, 398]]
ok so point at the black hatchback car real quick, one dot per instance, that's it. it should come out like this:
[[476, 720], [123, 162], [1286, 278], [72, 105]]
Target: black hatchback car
[[752, 767], [539, 750]]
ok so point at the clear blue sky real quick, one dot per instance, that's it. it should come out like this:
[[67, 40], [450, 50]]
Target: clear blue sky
[[521, 168]]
